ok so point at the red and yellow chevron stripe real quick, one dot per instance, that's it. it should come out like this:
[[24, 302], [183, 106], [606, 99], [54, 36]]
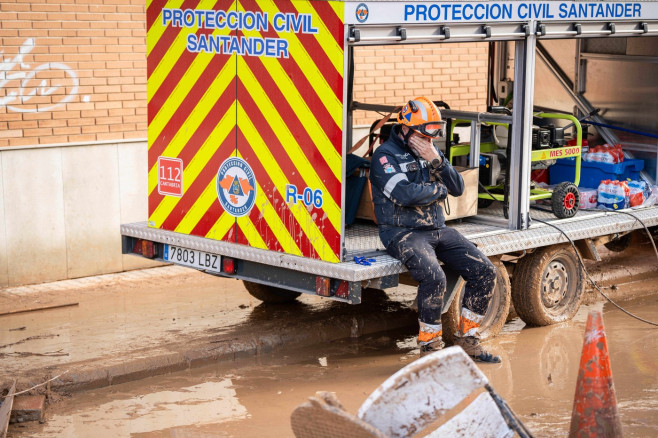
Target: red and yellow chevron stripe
[[280, 112]]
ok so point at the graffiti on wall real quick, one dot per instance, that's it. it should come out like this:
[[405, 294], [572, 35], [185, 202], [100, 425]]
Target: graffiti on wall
[[29, 88]]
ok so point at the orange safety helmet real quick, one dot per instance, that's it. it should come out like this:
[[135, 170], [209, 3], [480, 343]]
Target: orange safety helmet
[[421, 115]]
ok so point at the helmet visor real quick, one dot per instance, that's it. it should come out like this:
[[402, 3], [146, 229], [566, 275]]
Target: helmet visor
[[431, 129]]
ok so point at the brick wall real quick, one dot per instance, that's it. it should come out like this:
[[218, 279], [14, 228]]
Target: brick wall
[[72, 71], [455, 73], [75, 71]]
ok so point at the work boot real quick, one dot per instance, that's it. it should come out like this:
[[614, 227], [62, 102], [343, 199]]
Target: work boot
[[430, 347], [430, 338], [473, 348]]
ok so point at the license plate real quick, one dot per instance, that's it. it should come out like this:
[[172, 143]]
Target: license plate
[[192, 258]]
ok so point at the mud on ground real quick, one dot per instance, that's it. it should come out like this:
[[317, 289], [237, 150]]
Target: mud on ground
[[169, 312]]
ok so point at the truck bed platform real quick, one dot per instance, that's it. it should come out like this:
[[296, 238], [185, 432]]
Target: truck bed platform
[[488, 230]]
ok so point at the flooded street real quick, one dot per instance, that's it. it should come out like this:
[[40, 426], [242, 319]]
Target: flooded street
[[537, 378]]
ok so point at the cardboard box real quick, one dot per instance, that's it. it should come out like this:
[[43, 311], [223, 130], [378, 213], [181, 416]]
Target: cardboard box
[[463, 206], [467, 204]]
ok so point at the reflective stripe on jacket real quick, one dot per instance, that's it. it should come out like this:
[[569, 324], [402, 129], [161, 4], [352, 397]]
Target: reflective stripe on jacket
[[406, 192]]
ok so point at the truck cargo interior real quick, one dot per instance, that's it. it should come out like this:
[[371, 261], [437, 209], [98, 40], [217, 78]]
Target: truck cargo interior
[[581, 78]]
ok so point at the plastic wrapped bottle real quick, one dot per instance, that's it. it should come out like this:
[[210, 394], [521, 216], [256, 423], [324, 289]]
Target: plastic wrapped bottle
[[639, 193], [613, 195]]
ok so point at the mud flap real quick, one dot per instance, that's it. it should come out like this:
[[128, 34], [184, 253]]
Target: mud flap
[[454, 283]]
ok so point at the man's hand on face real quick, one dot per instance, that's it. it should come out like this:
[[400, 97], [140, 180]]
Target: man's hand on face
[[423, 147]]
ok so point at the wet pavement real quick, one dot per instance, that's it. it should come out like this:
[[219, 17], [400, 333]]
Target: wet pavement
[[537, 378], [169, 319], [266, 360], [176, 317]]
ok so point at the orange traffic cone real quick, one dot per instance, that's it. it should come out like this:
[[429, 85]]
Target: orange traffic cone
[[595, 407]]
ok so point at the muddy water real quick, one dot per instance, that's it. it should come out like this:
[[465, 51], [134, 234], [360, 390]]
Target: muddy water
[[537, 378], [120, 317]]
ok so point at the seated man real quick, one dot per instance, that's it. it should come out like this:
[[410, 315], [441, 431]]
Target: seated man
[[410, 178]]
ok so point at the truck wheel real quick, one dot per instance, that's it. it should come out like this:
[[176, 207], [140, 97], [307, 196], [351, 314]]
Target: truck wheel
[[620, 243], [270, 294], [496, 315], [565, 200], [548, 285]]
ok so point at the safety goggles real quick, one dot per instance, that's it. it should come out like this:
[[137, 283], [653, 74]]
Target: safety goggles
[[431, 129]]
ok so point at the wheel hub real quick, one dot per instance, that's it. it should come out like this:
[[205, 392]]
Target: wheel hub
[[555, 283], [569, 201]]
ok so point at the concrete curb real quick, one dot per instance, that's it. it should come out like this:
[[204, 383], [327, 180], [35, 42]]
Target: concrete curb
[[97, 373]]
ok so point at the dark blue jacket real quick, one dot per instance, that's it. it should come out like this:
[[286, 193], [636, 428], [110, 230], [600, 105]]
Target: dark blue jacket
[[407, 193]]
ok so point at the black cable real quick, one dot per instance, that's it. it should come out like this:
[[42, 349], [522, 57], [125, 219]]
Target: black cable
[[589, 277], [488, 192], [492, 196], [582, 263], [637, 219], [512, 420]]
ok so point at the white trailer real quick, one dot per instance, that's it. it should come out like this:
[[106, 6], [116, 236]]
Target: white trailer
[[548, 279]]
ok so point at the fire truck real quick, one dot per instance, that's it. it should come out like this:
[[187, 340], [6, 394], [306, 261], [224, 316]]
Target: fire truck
[[250, 128]]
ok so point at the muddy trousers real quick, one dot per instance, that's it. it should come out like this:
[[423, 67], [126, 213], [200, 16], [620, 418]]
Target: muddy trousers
[[420, 252]]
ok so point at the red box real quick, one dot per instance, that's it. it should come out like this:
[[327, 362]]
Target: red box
[[170, 176]]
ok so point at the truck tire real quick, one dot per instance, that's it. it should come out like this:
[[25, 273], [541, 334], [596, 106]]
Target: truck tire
[[620, 243], [270, 294], [496, 315], [548, 285]]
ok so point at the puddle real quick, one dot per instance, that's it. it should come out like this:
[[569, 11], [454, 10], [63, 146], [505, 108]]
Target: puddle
[[537, 378], [121, 318], [132, 415]]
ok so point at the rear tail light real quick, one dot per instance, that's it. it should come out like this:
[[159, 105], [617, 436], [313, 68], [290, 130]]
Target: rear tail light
[[343, 290], [323, 286], [145, 248], [326, 287], [229, 265]]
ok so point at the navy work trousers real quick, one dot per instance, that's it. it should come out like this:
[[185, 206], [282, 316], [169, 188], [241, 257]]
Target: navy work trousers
[[420, 252]]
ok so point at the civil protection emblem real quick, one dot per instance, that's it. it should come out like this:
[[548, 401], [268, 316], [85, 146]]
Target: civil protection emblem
[[236, 186], [361, 12]]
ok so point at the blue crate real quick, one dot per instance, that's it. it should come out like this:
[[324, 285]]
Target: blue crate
[[593, 172]]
